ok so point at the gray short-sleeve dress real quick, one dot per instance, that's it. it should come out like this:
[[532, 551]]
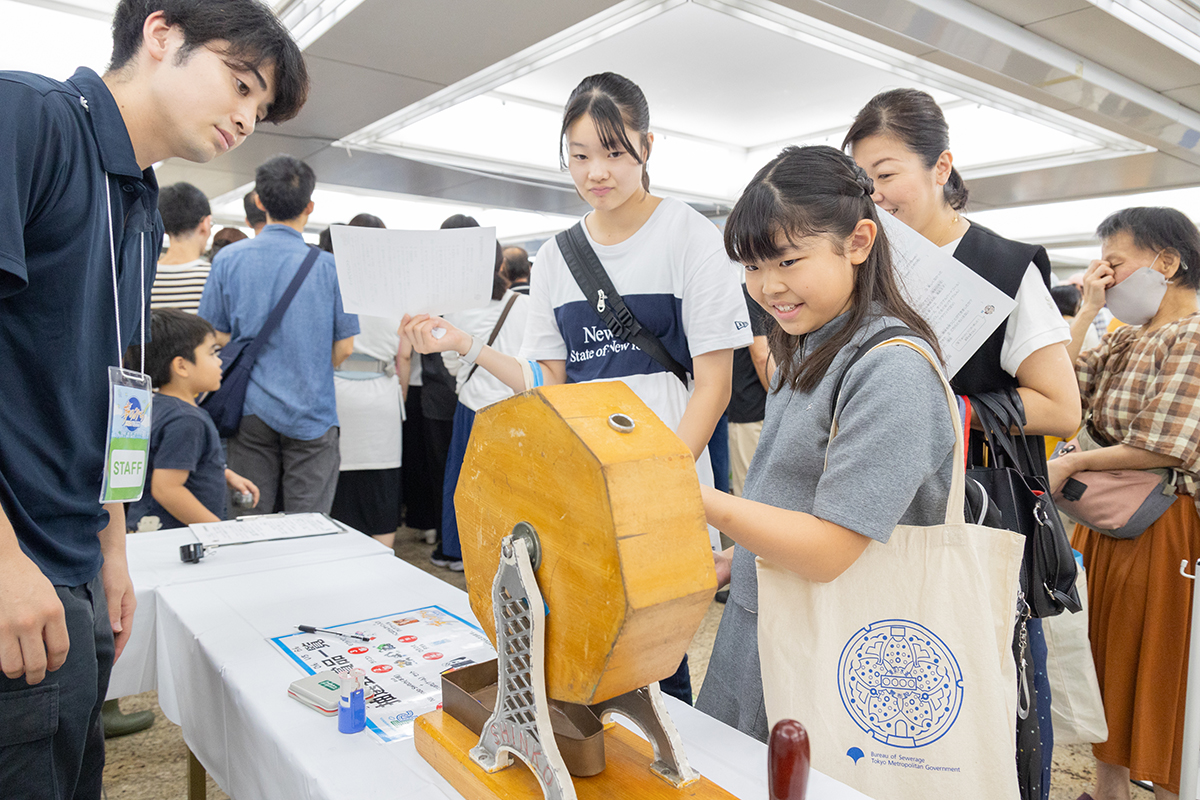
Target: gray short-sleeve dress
[[890, 464]]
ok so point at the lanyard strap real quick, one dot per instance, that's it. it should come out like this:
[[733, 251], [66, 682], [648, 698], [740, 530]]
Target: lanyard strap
[[112, 248]]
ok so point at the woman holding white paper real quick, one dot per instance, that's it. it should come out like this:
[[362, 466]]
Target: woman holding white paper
[[902, 140], [666, 260]]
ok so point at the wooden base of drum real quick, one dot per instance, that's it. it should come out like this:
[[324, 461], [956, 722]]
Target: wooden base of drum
[[445, 743]]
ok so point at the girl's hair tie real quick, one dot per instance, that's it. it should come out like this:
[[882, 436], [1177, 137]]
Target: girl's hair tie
[[864, 181]]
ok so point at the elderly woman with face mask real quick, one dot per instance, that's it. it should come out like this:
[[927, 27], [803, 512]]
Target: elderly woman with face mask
[[1141, 392]]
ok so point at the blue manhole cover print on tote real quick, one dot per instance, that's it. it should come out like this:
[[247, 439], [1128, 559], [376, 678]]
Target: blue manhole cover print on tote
[[900, 683]]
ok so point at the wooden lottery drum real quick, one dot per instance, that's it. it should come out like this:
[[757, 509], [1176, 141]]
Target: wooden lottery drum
[[624, 562]]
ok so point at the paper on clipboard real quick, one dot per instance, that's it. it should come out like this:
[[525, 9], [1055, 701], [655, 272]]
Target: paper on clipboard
[[266, 527], [388, 273], [962, 308]]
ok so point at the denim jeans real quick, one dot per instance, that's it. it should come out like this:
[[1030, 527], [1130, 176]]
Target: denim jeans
[[51, 737]]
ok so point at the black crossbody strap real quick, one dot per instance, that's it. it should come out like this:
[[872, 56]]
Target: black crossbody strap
[[602, 296]]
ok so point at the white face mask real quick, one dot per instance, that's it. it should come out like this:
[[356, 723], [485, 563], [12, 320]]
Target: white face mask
[[1136, 299]]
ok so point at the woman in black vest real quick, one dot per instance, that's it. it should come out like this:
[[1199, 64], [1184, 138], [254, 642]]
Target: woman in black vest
[[902, 141]]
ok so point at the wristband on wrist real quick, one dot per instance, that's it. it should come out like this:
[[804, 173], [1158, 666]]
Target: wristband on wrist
[[473, 351]]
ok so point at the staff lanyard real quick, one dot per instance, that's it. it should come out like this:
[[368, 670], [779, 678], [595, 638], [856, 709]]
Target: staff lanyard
[[112, 248]]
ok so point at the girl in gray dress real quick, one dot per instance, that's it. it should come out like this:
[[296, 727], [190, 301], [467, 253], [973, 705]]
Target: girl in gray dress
[[818, 261]]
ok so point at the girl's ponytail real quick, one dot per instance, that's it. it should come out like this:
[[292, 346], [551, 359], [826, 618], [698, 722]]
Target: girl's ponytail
[[955, 191]]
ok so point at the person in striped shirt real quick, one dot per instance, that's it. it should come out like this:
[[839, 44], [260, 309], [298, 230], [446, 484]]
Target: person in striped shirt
[[183, 270]]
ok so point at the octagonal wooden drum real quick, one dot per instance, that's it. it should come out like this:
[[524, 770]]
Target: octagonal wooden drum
[[626, 566]]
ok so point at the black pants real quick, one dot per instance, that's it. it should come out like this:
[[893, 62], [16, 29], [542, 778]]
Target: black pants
[[51, 737], [679, 685], [422, 498]]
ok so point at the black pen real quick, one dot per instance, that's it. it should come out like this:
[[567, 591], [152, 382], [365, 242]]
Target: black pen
[[311, 629]]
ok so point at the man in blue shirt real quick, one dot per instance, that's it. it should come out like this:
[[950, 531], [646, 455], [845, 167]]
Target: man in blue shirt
[[79, 235], [287, 443]]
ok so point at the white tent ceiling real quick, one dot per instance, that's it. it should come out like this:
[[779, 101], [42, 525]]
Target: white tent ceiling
[[424, 109]]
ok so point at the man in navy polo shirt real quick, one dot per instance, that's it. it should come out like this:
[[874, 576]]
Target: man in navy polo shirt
[[188, 78]]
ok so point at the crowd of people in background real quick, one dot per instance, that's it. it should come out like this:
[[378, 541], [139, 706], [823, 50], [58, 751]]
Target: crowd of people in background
[[367, 419]]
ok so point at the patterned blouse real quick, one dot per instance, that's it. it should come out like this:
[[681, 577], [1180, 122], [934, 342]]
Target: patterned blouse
[[1143, 390]]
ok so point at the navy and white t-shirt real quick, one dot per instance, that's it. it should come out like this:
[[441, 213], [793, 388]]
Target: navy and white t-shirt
[[182, 436], [676, 279]]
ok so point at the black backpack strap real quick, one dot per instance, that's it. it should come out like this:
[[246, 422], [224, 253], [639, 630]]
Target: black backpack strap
[[602, 296], [276, 316], [882, 336]]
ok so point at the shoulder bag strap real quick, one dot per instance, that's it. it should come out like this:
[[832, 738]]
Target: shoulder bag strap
[[867, 346], [602, 296], [956, 498], [495, 333], [260, 341]]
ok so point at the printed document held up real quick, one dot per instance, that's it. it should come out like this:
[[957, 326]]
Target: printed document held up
[[962, 308], [388, 273]]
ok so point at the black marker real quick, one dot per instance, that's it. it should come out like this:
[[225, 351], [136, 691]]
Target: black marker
[[311, 629]]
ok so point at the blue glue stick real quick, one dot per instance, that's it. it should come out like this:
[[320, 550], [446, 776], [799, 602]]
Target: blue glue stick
[[352, 707]]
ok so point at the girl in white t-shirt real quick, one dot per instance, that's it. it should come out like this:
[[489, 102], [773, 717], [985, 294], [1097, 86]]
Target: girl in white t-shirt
[[666, 260]]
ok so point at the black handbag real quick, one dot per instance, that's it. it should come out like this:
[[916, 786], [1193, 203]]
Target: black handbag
[[1015, 480], [238, 357]]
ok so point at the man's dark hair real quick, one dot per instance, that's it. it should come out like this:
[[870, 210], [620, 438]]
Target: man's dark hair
[[252, 39], [1067, 298], [285, 185], [254, 214], [183, 208], [365, 220], [173, 333], [516, 264]]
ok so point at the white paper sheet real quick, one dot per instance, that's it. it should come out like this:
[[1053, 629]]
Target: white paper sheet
[[962, 308], [264, 528], [388, 273]]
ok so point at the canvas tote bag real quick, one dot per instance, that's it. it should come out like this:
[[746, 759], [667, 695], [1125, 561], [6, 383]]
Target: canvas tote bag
[[1076, 708], [902, 669]]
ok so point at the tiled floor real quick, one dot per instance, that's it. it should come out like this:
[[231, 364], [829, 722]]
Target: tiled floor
[[152, 765]]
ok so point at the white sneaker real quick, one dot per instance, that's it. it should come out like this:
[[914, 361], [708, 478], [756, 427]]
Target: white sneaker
[[429, 535]]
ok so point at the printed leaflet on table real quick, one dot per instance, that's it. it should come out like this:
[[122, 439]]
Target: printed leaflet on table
[[404, 660]]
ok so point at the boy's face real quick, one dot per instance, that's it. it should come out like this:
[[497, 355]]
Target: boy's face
[[205, 375], [207, 105]]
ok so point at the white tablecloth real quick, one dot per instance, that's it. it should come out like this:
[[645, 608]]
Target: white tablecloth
[[222, 680], [154, 563]]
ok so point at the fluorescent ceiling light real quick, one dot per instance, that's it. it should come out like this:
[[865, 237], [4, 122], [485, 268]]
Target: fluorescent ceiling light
[[78, 40], [1074, 221], [308, 20], [337, 205], [591, 31], [508, 136]]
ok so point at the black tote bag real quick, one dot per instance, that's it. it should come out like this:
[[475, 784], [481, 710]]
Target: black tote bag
[[1015, 480]]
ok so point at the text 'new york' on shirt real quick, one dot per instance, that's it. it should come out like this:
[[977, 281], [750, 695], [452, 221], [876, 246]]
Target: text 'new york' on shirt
[[676, 279]]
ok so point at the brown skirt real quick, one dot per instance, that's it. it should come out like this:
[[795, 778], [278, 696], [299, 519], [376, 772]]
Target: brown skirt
[[1140, 611]]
